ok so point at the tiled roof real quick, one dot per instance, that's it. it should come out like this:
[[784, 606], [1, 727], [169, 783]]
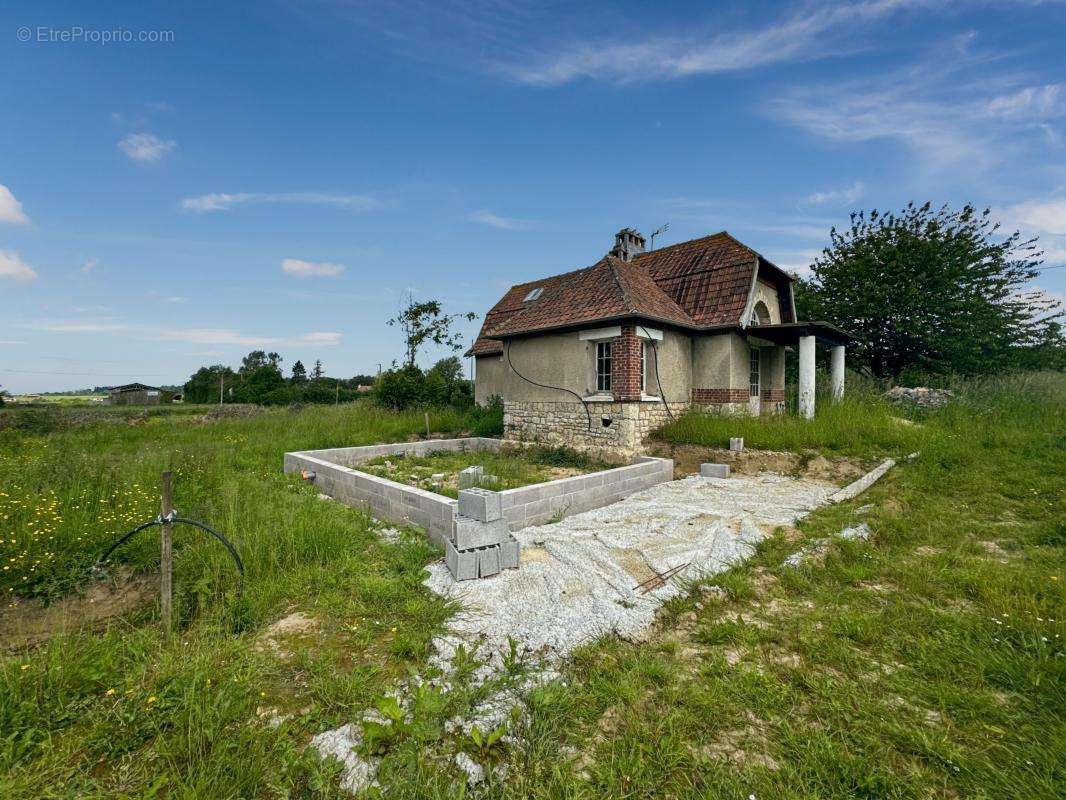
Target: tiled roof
[[696, 284]]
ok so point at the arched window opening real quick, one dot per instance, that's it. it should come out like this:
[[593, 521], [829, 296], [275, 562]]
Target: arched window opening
[[760, 314]]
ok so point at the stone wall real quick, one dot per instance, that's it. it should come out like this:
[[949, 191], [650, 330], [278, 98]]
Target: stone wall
[[566, 424]]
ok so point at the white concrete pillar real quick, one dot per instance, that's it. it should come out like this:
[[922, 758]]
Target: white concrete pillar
[[806, 377], [836, 372]]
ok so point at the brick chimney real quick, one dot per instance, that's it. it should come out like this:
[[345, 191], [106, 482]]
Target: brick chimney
[[627, 243]]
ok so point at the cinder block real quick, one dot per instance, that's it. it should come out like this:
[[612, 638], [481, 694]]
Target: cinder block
[[714, 470], [462, 565], [480, 504], [471, 533], [488, 561], [471, 476], [736, 443], [509, 553]]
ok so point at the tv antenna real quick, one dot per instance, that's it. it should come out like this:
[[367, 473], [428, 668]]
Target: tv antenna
[[662, 229]]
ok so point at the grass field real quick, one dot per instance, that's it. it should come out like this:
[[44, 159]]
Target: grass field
[[926, 663]]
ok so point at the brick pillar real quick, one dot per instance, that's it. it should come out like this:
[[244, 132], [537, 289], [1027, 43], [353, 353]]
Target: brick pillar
[[625, 366]]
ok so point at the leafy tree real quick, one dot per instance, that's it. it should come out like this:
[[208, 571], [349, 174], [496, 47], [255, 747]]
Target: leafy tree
[[316, 371], [407, 386], [203, 386], [263, 385], [427, 322], [299, 373], [253, 361], [937, 291]]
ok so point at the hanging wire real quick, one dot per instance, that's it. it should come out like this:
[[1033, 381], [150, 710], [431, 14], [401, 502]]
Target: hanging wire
[[580, 399]]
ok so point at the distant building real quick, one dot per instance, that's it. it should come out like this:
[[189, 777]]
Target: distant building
[[135, 394]]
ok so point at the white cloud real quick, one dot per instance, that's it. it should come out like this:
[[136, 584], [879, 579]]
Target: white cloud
[[221, 201], [842, 197], [812, 32], [947, 114], [311, 269], [89, 265], [198, 336], [485, 217], [1037, 216], [11, 342], [321, 338], [13, 267], [146, 147], [11, 209]]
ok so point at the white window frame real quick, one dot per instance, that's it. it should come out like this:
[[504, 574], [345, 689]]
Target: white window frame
[[754, 373], [604, 355]]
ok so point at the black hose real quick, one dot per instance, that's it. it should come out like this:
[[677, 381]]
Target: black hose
[[659, 383], [580, 399], [159, 521]]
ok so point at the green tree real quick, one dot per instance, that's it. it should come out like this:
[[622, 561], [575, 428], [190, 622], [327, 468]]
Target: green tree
[[253, 361], [299, 373], [316, 371], [933, 290], [426, 322], [203, 386]]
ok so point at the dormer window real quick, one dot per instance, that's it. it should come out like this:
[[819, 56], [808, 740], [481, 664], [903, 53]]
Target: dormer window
[[533, 294]]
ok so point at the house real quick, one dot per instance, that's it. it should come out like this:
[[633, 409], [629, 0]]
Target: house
[[599, 357], [134, 394]]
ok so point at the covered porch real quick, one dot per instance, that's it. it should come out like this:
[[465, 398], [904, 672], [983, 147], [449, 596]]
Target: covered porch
[[807, 336]]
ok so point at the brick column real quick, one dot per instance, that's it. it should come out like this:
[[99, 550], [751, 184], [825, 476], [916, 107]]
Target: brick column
[[625, 366]]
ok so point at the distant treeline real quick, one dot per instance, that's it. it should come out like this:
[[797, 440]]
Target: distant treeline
[[260, 380]]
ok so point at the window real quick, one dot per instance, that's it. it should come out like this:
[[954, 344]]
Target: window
[[760, 314], [533, 294], [643, 367], [753, 376], [603, 366]]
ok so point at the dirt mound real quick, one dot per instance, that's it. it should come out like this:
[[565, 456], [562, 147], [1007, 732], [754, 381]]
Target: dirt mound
[[30, 622], [280, 637], [687, 459]]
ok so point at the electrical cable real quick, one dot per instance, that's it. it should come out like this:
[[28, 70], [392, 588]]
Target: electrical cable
[[507, 351], [659, 383]]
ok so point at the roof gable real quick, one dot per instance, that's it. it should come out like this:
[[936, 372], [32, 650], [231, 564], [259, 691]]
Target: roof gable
[[696, 284]]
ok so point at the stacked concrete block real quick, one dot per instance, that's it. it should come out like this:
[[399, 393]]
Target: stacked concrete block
[[714, 470], [481, 544], [471, 477]]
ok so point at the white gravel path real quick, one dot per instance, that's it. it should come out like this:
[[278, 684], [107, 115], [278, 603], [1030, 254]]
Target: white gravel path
[[578, 579]]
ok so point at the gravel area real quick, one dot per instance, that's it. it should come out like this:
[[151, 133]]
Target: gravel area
[[581, 578]]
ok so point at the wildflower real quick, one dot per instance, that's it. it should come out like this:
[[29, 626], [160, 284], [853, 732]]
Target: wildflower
[[151, 699], [25, 667], [109, 692]]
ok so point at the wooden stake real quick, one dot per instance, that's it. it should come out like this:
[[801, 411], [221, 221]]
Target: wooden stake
[[427, 424], [166, 561]]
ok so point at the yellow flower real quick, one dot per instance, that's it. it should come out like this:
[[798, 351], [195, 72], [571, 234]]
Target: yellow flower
[[25, 667], [152, 699], [109, 692]]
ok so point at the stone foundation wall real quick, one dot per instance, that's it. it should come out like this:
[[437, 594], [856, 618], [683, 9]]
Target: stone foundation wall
[[563, 424]]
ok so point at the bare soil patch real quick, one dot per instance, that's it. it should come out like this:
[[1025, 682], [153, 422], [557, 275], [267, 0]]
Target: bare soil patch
[[280, 637], [31, 622], [838, 469]]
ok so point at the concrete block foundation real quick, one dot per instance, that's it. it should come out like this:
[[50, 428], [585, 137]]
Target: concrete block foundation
[[441, 517]]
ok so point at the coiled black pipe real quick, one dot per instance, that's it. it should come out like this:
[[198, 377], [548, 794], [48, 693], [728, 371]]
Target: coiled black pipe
[[159, 521]]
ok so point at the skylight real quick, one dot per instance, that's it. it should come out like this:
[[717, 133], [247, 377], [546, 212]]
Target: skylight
[[534, 294]]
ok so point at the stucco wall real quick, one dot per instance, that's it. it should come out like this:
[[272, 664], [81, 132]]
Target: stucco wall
[[565, 360], [767, 293], [720, 362]]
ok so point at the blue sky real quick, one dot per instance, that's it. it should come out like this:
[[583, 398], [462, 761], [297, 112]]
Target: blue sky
[[277, 176]]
